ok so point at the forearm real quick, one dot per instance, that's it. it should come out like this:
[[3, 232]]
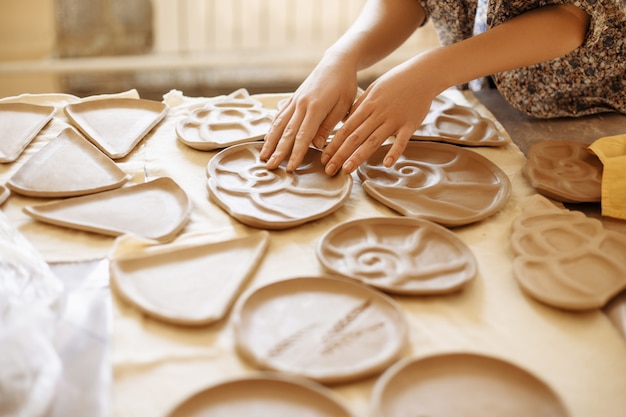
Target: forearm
[[381, 27], [533, 37]]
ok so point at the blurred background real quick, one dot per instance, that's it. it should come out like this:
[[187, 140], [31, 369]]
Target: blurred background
[[201, 47]]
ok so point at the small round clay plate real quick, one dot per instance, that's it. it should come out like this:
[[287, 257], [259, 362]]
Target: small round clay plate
[[327, 329], [277, 199], [398, 255], [564, 171], [463, 384], [262, 396], [444, 183]]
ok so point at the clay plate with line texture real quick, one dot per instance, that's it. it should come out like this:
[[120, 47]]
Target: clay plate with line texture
[[398, 255], [565, 259], [463, 384], [233, 120], [157, 210], [564, 171], [192, 285], [263, 395], [116, 125], [459, 125], [19, 125], [444, 183], [273, 199], [67, 166], [4, 194], [327, 329]]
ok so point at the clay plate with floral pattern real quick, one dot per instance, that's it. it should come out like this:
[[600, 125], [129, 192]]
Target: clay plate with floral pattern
[[19, 124]]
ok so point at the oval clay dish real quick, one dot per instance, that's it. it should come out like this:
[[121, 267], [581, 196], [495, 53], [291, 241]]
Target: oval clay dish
[[444, 183], [398, 255], [327, 329], [67, 166], [19, 124], [273, 199], [263, 395], [564, 171], [463, 384], [154, 210], [116, 125]]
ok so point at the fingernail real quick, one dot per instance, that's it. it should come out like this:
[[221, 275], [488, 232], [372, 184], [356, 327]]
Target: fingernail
[[388, 161], [348, 167], [330, 169], [324, 159]]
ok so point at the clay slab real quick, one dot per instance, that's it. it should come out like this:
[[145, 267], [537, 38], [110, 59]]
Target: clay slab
[[463, 384], [565, 259], [398, 255], [67, 166], [616, 312], [19, 124], [4, 194], [154, 210], [324, 328], [116, 125], [564, 171], [269, 395], [273, 199], [444, 183], [193, 285]]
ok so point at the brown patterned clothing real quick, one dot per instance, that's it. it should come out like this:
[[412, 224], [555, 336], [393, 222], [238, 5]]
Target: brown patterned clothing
[[590, 79]]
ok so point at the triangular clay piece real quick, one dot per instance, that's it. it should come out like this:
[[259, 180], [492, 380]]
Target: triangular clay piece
[[68, 166], [4, 194], [157, 210], [193, 285], [19, 124], [116, 125], [566, 259]]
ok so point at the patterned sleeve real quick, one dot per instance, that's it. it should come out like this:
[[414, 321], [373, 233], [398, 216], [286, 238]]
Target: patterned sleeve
[[453, 19]]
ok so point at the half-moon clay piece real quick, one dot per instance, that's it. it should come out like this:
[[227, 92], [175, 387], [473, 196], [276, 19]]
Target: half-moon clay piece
[[236, 119], [189, 285], [463, 384], [459, 125], [19, 124], [157, 210], [273, 199], [328, 329], [116, 125], [565, 171], [4, 194], [264, 395], [399, 255], [565, 259], [444, 183], [67, 166]]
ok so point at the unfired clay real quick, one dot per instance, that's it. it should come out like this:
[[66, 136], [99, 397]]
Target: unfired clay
[[398, 255], [116, 125], [67, 166], [240, 184], [19, 124], [616, 312], [4, 194], [444, 183], [565, 259], [324, 328]]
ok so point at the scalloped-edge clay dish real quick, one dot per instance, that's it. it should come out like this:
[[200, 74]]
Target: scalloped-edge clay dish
[[463, 384], [19, 125], [156, 210], [263, 395], [328, 329], [565, 171], [4, 194], [399, 255], [443, 183], [67, 166], [273, 199], [566, 259], [116, 125], [189, 285], [459, 125]]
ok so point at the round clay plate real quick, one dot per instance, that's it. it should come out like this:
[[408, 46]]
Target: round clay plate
[[444, 183], [327, 329], [564, 171], [398, 255], [262, 396], [273, 199], [463, 384]]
